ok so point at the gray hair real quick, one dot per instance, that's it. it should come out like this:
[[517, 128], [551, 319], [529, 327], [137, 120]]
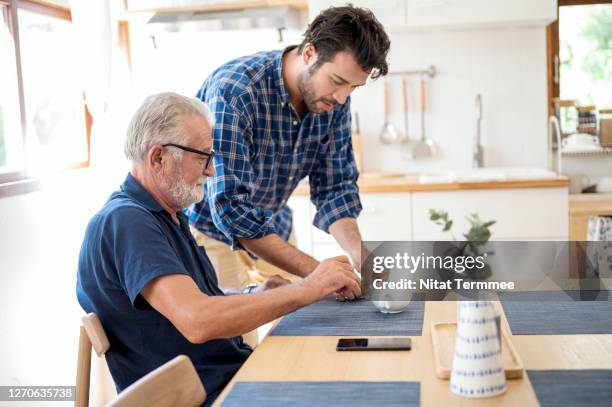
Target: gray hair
[[158, 121]]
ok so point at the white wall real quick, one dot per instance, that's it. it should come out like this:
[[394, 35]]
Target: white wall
[[507, 66], [40, 238]]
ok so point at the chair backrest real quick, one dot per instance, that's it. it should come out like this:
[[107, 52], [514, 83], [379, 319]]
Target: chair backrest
[[174, 384], [91, 335], [97, 336]]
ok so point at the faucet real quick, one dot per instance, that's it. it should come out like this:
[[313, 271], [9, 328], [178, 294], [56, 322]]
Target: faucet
[[478, 152], [553, 120]]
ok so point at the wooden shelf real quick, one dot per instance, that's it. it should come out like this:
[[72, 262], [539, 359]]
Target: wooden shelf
[[409, 183]]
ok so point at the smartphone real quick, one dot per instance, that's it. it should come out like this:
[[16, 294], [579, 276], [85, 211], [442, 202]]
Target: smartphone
[[374, 344]]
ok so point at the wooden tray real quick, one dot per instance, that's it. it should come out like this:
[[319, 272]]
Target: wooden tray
[[443, 338]]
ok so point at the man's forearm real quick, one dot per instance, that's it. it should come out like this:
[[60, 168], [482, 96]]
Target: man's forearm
[[243, 313], [346, 232], [276, 251]]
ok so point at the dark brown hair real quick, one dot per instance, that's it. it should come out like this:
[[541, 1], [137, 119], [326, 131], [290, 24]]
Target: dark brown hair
[[353, 29]]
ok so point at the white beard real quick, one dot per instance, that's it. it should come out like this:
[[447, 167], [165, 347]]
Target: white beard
[[182, 193]]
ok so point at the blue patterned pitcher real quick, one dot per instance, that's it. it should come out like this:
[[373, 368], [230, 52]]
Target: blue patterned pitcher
[[478, 369]]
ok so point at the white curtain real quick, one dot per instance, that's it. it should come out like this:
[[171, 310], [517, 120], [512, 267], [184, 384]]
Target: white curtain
[[106, 81]]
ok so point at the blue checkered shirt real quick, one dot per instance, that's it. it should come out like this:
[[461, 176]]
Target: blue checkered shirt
[[264, 149]]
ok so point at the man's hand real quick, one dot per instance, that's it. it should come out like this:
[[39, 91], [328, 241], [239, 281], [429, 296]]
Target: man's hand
[[346, 233], [333, 275], [355, 259], [271, 282]]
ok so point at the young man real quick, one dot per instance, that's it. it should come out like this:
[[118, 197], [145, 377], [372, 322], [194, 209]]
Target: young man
[[153, 288], [282, 116]]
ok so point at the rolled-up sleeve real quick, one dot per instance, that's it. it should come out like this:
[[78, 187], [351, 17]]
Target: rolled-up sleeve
[[333, 185], [230, 191]]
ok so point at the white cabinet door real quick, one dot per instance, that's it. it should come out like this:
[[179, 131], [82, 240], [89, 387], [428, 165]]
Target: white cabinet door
[[384, 217], [391, 13], [457, 13], [302, 222], [521, 214]]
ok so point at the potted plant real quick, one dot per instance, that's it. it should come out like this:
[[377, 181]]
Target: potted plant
[[477, 236]]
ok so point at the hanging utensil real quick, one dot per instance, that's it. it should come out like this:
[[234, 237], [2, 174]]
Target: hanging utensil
[[356, 138], [388, 134], [406, 136], [425, 147]]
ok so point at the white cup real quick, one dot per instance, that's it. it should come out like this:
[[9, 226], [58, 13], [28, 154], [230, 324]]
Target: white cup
[[604, 185], [478, 369], [391, 307]]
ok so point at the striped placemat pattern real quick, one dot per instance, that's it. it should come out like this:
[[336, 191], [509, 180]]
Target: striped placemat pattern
[[557, 388], [558, 312], [328, 393], [329, 317]]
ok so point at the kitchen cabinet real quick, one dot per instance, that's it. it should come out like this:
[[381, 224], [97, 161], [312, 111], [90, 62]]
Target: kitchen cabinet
[[391, 13], [302, 221], [385, 216], [423, 14], [581, 207], [521, 214], [207, 5], [457, 13]]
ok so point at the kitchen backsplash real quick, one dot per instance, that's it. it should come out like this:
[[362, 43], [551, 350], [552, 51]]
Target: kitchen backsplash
[[506, 66]]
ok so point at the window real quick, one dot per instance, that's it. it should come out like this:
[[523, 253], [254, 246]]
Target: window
[[11, 137], [580, 54], [44, 124], [585, 53], [53, 96]]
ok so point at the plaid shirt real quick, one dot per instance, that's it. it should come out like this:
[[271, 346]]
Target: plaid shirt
[[264, 149]]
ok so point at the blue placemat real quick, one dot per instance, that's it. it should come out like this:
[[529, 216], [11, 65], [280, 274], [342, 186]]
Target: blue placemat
[[591, 388], [334, 318], [558, 312], [312, 394]]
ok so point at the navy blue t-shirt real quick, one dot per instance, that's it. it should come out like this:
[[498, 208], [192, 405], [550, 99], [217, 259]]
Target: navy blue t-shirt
[[130, 242]]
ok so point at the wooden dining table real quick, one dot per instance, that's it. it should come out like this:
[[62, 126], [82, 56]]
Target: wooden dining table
[[314, 358]]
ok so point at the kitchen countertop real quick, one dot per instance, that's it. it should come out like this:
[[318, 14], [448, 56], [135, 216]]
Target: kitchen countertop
[[381, 182], [590, 204]]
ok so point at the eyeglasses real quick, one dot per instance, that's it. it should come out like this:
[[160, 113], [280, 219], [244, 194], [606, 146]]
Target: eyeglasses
[[209, 156]]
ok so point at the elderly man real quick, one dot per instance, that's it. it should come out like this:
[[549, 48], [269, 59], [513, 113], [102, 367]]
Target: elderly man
[[152, 286]]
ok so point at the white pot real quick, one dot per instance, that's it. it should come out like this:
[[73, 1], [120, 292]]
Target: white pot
[[604, 185]]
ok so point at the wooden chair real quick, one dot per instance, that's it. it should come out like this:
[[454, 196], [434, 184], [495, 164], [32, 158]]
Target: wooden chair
[[91, 335], [176, 383]]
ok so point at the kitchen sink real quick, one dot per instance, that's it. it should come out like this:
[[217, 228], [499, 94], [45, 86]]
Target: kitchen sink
[[488, 175]]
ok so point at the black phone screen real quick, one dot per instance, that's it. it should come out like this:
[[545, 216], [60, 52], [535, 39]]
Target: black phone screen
[[374, 344]]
